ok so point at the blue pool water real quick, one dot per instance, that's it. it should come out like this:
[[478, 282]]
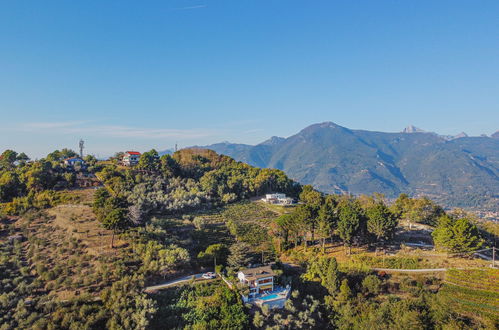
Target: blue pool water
[[272, 296]]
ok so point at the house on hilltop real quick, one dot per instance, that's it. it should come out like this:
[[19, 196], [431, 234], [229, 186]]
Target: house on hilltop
[[130, 158], [72, 161], [278, 198]]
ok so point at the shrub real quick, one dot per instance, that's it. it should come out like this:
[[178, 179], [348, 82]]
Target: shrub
[[371, 284]]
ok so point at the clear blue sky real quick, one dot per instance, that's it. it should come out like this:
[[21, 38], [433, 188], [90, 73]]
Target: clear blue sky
[[142, 74]]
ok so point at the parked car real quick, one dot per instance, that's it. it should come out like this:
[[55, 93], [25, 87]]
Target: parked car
[[209, 275]]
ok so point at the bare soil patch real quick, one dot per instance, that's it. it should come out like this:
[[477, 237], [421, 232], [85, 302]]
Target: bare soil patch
[[80, 222]]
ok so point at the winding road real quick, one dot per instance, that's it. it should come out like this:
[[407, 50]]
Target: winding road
[[173, 282], [394, 270], [198, 277]]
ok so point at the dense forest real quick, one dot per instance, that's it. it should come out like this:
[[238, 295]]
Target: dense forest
[[80, 258]]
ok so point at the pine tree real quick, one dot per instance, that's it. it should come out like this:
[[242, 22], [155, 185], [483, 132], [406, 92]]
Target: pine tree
[[239, 255], [350, 220], [380, 221]]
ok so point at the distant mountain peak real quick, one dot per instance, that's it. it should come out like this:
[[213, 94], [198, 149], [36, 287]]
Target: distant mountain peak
[[275, 140], [413, 129], [461, 135], [495, 135]]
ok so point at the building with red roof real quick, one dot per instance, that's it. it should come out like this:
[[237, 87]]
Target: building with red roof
[[131, 158]]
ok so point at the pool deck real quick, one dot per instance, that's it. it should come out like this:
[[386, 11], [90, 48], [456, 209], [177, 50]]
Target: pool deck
[[278, 298]]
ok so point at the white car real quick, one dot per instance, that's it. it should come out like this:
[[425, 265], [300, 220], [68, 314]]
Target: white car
[[209, 275]]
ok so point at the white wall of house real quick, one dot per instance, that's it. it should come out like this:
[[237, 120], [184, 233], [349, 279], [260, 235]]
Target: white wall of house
[[275, 196]]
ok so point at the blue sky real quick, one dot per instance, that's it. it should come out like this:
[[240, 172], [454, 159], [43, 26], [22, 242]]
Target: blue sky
[[143, 74]]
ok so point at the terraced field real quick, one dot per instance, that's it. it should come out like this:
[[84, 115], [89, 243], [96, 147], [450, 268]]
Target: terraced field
[[474, 292]]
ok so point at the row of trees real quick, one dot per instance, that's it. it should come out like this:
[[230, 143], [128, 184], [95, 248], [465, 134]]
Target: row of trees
[[368, 219], [322, 217]]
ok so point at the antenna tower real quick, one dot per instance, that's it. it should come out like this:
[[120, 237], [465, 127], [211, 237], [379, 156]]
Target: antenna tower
[[81, 147]]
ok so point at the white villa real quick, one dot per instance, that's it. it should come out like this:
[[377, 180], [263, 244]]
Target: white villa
[[262, 290], [278, 198], [258, 279]]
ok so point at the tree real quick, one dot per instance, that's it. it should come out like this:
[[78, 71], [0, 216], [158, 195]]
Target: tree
[[417, 210], [239, 255], [116, 219], [57, 156], [456, 235], [258, 320], [149, 161], [212, 308], [280, 229], [10, 186], [305, 217], [311, 197], [90, 160], [39, 176], [313, 201], [345, 291], [380, 221], [350, 220], [327, 219], [324, 230], [8, 158], [129, 307], [326, 270], [217, 253], [136, 214], [400, 205], [169, 166], [371, 284], [22, 158]]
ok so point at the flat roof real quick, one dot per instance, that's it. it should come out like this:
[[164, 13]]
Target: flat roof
[[258, 272]]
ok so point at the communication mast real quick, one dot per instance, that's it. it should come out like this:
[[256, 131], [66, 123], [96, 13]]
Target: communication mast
[[81, 147]]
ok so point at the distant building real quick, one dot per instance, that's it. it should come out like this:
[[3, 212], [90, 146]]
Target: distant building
[[278, 198], [131, 158], [72, 161]]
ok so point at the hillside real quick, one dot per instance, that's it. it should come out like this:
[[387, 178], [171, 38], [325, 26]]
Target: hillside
[[460, 171]]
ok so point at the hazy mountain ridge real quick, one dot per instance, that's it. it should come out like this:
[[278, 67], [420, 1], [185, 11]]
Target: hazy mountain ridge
[[461, 171]]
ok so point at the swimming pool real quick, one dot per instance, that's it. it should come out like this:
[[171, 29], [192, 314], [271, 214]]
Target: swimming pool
[[269, 297]]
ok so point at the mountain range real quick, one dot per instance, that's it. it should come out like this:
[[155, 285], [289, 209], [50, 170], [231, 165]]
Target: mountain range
[[458, 170]]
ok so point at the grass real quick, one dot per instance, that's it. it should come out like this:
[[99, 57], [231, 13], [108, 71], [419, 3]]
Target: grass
[[277, 209], [390, 262], [80, 222], [249, 212]]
